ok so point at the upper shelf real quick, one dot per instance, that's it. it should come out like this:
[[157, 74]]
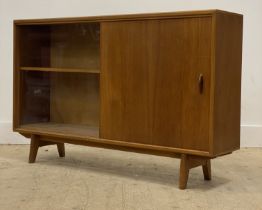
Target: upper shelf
[[93, 71]]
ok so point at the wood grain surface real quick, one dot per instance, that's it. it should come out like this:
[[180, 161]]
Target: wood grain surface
[[227, 83], [166, 82], [150, 89]]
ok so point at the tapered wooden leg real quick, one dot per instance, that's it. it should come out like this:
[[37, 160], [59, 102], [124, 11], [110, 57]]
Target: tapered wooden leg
[[190, 161], [207, 170], [61, 149], [184, 171], [35, 143]]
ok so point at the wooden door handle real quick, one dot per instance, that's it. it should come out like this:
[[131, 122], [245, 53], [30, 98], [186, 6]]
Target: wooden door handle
[[201, 83]]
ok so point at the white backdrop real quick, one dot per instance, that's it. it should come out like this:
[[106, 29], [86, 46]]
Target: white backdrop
[[251, 111]]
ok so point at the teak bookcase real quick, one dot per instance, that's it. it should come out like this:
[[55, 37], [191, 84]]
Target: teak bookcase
[[166, 84]]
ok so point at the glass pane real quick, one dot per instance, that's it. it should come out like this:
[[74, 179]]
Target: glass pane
[[59, 67], [71, 98], [71, 46]]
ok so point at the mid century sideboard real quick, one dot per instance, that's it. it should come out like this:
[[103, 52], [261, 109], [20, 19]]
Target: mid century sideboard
[[165, 84]]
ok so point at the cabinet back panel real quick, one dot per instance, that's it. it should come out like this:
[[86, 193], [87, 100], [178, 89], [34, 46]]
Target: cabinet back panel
[[74, 98], [149, 82], [66, 98], [35, 106], [34, 45], [75, 46], [68, 46]]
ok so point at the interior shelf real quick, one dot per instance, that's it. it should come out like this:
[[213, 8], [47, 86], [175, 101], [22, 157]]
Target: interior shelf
[[46, 69], [62, 129]]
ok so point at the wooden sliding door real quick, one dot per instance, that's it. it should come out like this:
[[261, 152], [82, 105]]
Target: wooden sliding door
[[127, 51], [155, 81]]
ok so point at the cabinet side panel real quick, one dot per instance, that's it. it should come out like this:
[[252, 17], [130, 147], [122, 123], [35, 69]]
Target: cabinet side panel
[[16, 78], [227, 93]]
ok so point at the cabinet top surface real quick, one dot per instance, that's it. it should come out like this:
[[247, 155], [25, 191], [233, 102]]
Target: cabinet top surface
[[179, 14]]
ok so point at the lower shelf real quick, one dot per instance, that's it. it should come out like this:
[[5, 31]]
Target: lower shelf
[[63, 129], [89, 136]]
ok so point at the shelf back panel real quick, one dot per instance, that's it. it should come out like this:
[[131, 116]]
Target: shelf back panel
[[74, 98], [75, 46], [69, 46], [36, 97], [70, 98]]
